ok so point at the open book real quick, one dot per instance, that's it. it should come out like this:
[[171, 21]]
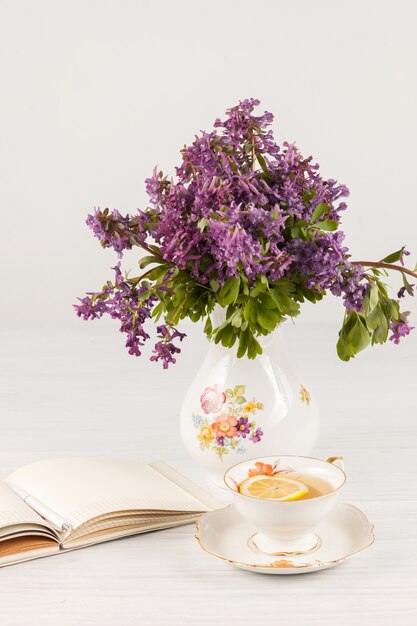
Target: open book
[[62, 504]]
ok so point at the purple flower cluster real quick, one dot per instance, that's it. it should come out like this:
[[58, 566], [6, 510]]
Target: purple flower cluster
[[165, 349], [222, 215], [132, 306], [241, 208], [400, 329], [116, 231]]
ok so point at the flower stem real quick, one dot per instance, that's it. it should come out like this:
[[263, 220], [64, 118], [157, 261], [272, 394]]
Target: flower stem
[[386, 266], [253, 151], [145, 247], [138, 279], [174, 320]]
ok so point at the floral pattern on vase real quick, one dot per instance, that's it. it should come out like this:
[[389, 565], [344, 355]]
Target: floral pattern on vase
[[305, 395], [228, 420]]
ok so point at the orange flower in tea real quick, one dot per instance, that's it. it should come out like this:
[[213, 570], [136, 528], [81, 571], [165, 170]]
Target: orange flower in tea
[[263, 469]]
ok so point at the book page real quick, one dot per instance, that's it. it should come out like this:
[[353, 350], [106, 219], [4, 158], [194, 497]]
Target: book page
[[208, 502], [14, 511], [81, 489]]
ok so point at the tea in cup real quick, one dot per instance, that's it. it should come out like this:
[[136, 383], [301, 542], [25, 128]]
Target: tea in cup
[[285, 497]]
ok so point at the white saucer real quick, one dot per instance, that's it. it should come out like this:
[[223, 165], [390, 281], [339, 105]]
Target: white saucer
[[226, 535]]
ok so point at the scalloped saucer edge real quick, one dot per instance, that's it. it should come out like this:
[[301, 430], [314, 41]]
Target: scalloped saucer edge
[[344, 533]]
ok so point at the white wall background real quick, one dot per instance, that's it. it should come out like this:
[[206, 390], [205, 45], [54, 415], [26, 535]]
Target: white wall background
[[94, 93]]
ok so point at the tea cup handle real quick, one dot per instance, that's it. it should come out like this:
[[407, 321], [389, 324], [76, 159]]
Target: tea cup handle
[[337, 461]]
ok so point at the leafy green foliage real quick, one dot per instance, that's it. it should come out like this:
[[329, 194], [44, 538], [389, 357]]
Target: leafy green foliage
[[249, 313], [254, 312], [395, 256], [370, 326]]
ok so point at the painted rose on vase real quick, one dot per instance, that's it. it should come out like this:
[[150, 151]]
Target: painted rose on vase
[[212, 399], [227, 420]]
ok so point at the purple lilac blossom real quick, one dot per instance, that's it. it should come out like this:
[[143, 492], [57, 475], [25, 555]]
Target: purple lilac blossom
[[164, 349], [401, 293], [399, 330], [241, 210], [226, 215], [405, 252], [116, 231], [121, 301]]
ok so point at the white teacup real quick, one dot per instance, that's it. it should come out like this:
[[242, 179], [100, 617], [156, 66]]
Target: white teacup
[[287, 527]]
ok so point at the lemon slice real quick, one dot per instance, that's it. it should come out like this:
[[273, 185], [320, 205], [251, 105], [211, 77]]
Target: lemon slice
[[273, 488]]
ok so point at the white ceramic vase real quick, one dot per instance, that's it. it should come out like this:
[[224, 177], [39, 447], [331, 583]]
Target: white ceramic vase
[[238, 409]]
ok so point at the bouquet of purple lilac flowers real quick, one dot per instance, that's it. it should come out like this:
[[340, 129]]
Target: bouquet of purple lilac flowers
[[250, 226]]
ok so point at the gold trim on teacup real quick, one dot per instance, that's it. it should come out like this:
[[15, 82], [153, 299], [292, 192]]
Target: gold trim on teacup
[[332, 460], [284, 563], [294, 456]]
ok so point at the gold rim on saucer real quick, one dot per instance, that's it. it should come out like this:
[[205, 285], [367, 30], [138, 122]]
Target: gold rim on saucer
[[282, 563]]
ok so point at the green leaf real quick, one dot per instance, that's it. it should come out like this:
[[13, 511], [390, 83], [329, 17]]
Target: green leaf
[[407, 286], [380, 334], [284, 285], [308, 195], [214, 285], [320, 210], [229, 292], [343, 349], [371, 298], [327, 225], [228, 336], [239, 390], [254, 348], [267, 300], [358, 337], [240, 400], [298, 229], [158, 272], [391, 308], [267, 319], [158, 310], [202, 223], [243, 343], [208, 326], [286, 305], [236, 319], [373, 319], [395, 256], [252, 311], [262, 163], [148, 259], [260, 287], [309, 294]]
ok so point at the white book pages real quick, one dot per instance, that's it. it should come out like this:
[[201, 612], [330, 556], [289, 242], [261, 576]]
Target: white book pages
[[81, 489], [14, 511]]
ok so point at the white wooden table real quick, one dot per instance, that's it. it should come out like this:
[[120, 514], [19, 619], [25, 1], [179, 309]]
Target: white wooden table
[[76, 392]]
